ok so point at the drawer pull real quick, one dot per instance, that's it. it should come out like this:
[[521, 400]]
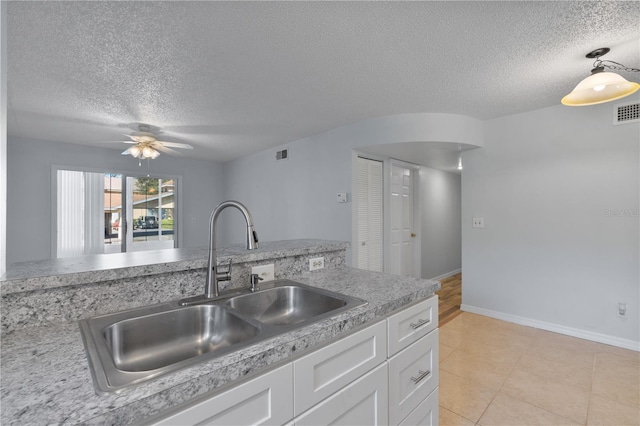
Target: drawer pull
[[420, 323], [422, 375]]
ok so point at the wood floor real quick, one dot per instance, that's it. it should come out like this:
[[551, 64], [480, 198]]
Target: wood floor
[[450, 298]]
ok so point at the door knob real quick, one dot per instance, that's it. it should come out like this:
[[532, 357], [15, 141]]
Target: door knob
[[413, 235]]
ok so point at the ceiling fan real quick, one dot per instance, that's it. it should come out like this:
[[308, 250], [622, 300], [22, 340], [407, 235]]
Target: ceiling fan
[[147, 146]]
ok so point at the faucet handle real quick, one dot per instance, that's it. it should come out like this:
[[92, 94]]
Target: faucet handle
[[224, 275]]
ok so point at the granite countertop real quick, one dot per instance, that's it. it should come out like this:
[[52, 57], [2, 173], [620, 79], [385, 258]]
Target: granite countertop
[[45, 377], [52, 273]]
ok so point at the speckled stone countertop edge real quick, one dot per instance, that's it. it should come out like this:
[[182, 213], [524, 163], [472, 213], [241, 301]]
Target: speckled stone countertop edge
[[74, 402], [55, 273]]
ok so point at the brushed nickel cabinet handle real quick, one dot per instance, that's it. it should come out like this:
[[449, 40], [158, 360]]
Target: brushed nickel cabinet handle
[[422, 375], [420, 323]]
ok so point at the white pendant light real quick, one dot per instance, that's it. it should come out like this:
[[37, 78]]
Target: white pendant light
[[601, 86]]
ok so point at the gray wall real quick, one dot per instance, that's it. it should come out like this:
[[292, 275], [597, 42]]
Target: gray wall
[[441, 218], [29, 191], [293, 198], [296, 198], [3, 137], [547, 183]]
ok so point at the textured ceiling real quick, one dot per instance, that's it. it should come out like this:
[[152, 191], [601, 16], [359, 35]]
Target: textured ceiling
[[232, 78]]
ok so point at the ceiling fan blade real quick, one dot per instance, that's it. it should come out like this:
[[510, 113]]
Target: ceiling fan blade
[[175, 144], [127, 151], [166, 150]]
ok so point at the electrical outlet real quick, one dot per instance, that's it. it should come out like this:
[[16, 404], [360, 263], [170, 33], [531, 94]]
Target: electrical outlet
[[316, 263], [266, 272], [622, 309], [478, 222]]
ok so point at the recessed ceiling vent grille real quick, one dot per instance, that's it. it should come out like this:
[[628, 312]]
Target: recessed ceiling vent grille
[[282, 155], [623, 114]]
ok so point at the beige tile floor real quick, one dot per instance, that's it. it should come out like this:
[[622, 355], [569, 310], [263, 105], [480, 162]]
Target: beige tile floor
[[498, 373]]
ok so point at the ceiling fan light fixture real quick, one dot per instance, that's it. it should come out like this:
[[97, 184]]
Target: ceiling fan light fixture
[[155, 154], [601, 86], [460, 162], [147, 151], [134, 151]]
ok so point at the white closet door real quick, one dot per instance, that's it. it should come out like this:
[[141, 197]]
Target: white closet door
[[370, 207]]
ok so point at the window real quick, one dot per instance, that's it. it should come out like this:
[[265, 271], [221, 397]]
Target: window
[[111, 212]]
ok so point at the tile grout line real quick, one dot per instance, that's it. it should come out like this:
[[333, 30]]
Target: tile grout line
[[501, 385], [549, 411]]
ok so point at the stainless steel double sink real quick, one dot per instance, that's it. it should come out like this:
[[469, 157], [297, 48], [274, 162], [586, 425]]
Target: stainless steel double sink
[[130, 347]]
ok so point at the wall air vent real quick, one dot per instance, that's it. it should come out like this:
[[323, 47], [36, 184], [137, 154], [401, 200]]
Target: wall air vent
[[282, 155], [629, 113]]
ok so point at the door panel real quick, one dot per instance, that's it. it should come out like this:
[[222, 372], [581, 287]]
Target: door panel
[[402, 223], [369, 211]]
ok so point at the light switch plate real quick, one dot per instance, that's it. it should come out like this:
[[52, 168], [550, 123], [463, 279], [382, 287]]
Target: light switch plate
[[342, 197]]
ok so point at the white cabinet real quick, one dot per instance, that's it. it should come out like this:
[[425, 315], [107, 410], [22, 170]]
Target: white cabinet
[[413, 375], [327, 370], [409, 325], [363, 402], [425, 414], [264, 400]]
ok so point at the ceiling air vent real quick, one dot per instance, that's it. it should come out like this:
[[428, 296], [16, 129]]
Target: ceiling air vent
[[629, 113], [282, 155]]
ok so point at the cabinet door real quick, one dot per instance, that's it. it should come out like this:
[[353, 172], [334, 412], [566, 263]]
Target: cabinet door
[[364, 402], [327, 370], [264, 400], [409, 325], [426, 414], [413, 375]]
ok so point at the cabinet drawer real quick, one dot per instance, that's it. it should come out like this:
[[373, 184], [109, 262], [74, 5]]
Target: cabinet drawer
[[363, 402], [413, 375], [265, 400], [426, 414], [409, 325], [327, 370]]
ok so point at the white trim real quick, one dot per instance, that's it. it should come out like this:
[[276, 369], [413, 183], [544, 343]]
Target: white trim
[[447, 275], [556, 328]]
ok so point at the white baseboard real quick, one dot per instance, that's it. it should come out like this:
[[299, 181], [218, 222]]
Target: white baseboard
[[447, 275], [561, 329]]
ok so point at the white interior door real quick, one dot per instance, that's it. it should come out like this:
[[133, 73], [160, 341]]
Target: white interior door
[[401, 249], [369, 194]]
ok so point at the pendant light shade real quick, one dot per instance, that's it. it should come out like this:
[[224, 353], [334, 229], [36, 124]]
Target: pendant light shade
[[600, 87]]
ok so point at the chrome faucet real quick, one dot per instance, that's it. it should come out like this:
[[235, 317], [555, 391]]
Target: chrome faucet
[[211, 288]]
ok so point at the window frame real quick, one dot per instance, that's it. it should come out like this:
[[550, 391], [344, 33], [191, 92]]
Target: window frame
[[178, 237]]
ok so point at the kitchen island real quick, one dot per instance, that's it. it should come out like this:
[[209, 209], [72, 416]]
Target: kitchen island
[[45, 376]]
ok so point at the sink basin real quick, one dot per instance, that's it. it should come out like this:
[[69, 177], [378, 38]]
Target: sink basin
[[286, 305], [130, 347], [155, 341]]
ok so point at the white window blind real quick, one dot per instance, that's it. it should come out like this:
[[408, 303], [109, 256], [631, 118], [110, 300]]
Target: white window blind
[[370, 208], [70, 212], [80, 213], [94, 213]]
